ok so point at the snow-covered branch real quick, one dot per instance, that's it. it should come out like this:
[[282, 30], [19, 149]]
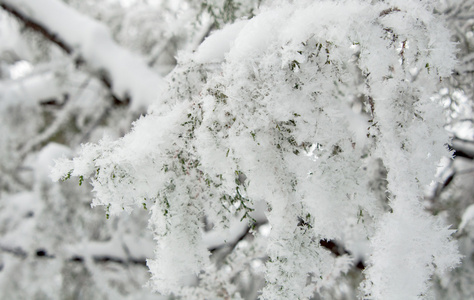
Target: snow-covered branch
[[87, 40], [98, 252]]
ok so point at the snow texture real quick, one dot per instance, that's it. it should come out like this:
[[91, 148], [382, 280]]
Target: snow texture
[[313, 111]]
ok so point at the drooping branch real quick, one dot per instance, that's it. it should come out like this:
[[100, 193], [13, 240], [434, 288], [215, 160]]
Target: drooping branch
[[126, 76]]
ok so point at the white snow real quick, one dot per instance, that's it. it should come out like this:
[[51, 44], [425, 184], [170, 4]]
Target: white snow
[[20, 69], [28, 90], [46, 160], [217, 45], [467, 217], [257, 35]]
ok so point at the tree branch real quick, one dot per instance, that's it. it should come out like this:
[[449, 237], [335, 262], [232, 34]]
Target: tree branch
[[55, 39], [125, 75], [31, 24], [42, 253]]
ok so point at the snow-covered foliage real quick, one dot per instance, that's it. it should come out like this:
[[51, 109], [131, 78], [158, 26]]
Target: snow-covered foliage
[[312, 123], [52, 245]]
